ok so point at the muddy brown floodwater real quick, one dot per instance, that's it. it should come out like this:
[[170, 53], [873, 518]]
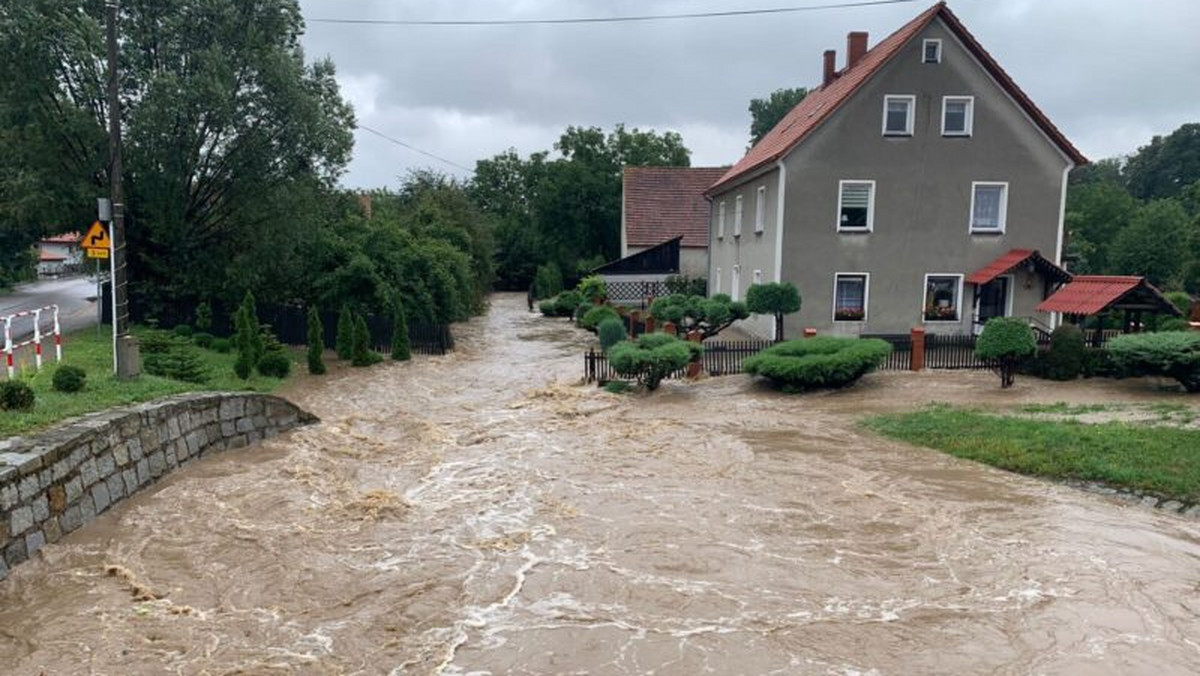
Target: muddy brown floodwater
[[482, 513]]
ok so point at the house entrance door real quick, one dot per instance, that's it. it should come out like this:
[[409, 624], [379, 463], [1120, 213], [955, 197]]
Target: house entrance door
[[993, 300]]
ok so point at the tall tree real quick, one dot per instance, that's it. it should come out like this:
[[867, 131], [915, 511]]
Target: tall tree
[[1096, 212], [766, 113], [1167, 166], [1154, 244]]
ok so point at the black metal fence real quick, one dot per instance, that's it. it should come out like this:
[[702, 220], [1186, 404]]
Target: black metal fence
[[289, 323], [901, 357], [720, 358]]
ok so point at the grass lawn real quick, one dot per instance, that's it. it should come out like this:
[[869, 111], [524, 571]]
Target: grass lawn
[[93, 353], [1145, 458]]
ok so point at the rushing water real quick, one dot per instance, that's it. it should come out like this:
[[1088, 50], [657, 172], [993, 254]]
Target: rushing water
[[480, 513]]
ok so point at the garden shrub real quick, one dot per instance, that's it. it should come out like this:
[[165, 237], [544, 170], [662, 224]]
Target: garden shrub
[[1064, 359], [611, 331], [16, 395], [184, 330], [275, 365], [594, 315], [1097, 363], [688, 286], [204, 316], [363, 354], [345, 334], [566, 303], [68, 378], [221, 345], [593, 288], [709, 316], [776, 299], [547, 281], [202, 339], [1181, 300], [1173, 324], [651, 358], [1006, 341], [248, 338], [820, 362], [316, 342], [181, 362], [547, 308], [1174, 354], [400, 346]]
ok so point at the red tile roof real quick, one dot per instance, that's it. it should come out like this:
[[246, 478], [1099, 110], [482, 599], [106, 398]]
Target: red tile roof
[[1016, 258], [823, 101], [1091, 294], [662, 203], [67, 238]]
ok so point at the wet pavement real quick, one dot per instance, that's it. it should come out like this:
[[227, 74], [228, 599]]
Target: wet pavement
[[482, 513]]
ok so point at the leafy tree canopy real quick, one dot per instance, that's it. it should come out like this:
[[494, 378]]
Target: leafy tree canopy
[[766, 113]]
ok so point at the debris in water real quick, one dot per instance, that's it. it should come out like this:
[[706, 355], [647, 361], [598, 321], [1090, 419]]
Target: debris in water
[[139, 589], [374, 504]]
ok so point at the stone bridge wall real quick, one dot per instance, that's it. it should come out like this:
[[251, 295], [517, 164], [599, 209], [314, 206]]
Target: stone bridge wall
[[56, 481]]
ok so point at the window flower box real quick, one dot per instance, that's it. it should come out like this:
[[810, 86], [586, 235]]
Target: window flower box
[[942, 313], [849, 314]]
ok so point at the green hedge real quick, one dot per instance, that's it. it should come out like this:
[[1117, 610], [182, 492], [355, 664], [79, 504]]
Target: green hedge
[[1174, 354], [651, 358], [1064, 359], [596, 314], [823, 361]]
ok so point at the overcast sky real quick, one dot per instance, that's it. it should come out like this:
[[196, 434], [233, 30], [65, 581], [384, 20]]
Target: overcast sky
[[1109, 73]]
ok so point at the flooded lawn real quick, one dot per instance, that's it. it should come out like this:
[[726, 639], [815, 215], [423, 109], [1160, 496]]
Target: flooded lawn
[[481, 513]]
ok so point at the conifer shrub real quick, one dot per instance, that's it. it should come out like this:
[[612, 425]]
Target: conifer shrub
[[203, 339], [204, 316], [155, 341], [16, 395], [316, 342], [593, 288], [68, 378], [651, 358], [183, 330], [595, 314], [345, 334], [222, 345], [400, 346], [1173, 354], [611, 332], [362, 354], [182, 362], [1064, 359], [820, 362], [1007, 342]]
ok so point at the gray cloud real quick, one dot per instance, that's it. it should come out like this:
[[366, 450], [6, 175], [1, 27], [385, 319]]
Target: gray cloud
[[1110, 73]]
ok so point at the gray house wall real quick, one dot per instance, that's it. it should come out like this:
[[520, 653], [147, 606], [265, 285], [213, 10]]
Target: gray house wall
[[923, 188], [750, 251]]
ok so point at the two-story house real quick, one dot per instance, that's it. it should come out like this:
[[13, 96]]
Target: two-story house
[[916, 185]]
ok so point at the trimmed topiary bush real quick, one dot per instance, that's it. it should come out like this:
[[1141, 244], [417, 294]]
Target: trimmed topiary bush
[[1064, 359], [593, 288], [68, 378], [820, 362], [16, 395], [202, 339], [709, 316], [363, 355], [222, 345], [611, 332], [275, 365], [1174, 354], [594, 315], [651, 358], [547, 308], [184, 330], [566, 303], [776, 299], [1007, 342]]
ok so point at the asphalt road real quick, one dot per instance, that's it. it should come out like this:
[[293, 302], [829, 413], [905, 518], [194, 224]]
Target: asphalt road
[[75, 310]]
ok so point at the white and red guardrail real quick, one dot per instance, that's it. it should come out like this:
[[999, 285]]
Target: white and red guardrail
[[10, 347]]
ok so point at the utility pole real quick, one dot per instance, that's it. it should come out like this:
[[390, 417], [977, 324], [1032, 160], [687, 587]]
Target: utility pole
[[125, 355]]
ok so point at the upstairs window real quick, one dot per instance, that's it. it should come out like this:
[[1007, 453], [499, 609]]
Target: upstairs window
[[942, 296], [898, 114], [721, 220], [737, 217], [850, 297], [856, 206], [760, 210], [989, 207], [931, 51], [958, 115]]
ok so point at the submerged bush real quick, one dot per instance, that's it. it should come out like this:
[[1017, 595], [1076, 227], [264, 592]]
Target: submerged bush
[[651, 358], [1064, 359], [547, 308], [823, 361], [275, 365], [1174, 354], [68, 378], [1007, 342], [611, 331], [567, 303], [16, 395], [593, 316]]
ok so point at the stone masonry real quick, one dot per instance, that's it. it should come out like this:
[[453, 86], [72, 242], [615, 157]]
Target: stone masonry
[[59, 480]]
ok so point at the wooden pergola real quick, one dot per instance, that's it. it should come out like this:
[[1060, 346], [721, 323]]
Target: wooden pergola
[[1096, 295]]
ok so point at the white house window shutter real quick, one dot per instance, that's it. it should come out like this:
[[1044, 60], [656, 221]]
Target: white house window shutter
[[737, 217], [721, 220], [760, 210]]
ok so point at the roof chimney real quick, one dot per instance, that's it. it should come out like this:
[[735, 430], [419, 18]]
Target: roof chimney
[[830, 67], [856, 47]]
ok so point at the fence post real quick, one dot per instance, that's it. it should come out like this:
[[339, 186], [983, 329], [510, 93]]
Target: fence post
[[693, 369], [917, 362], [669, 328], [37, 339], [649, 324], [809, 333], [8, 346], [57, 337], [634, 318]]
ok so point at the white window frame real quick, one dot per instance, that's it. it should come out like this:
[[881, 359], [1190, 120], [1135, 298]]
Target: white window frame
[[735, 282], [760, 210], [968, 121], [721, 220], [866, 297], [958, 296], [717, 282], [925, 48], [870, 206], [1003, 209], [737, 216], [910, 122]]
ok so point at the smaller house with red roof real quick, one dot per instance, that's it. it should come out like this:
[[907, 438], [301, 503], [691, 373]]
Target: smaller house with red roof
[[660, 204], [59, 254], [917, 185]]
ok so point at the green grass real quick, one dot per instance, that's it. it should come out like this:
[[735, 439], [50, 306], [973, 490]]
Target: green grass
[[1162, 460], [93, 353], [1064, 408]]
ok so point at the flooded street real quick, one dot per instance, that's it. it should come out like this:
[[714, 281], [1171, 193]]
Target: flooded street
[[481, 513]]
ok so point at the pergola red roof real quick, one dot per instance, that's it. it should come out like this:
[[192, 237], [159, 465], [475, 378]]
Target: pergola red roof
[[1093, 294], [1016, 258]]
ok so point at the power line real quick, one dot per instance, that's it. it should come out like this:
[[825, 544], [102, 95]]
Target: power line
[[612, 19], [415, 149]]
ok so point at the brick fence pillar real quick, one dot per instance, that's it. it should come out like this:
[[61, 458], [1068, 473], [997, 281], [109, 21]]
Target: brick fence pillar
[[809, 333], [918, 348], [669, 328], [635, 317], [693, 370], [649, 324]]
